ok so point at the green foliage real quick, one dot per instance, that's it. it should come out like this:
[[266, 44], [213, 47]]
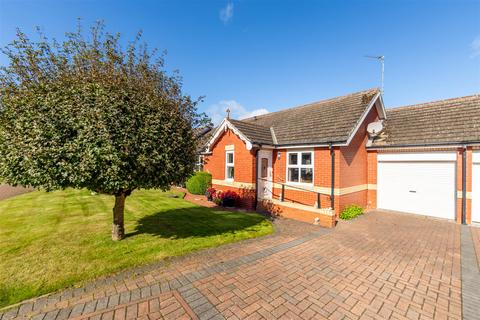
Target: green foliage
[[351, 212], [64, 245], [199, 183], [87, 114]]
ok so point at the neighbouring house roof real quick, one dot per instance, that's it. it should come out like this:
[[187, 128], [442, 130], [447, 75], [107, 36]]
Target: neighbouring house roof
[[448, 121], [203, 135], [328, 121]]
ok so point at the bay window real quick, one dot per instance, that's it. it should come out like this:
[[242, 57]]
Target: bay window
[[300, 167], [229, 165]]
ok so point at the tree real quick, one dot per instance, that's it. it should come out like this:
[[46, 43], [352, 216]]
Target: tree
[[86, 113]]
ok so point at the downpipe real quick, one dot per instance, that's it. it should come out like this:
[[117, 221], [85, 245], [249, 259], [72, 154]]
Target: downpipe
[[464, 185], [256, 177], [332, 192]]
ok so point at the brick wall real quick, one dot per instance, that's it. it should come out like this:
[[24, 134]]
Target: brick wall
[[296, 214], [351, 170], [372, 179], [468, 185], [321, 177], [354, 167], [244, 167]]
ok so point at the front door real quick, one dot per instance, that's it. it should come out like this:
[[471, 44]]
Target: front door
[[264, 174]]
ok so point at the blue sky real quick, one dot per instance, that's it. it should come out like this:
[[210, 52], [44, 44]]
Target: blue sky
[[256, 56]]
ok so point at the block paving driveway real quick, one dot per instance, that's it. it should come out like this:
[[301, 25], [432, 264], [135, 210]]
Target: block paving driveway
[[379, 266]]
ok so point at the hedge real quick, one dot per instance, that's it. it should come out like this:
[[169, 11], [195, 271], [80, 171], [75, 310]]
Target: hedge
[[199, 182]]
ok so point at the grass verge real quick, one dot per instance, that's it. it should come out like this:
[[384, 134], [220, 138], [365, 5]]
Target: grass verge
[[50, 241]]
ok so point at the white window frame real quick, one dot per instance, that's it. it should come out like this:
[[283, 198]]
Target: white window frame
[[227, 165], [299, 165]]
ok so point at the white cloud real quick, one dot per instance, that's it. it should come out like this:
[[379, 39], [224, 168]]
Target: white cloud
[[475, 45], [226, 14], [218, 111]]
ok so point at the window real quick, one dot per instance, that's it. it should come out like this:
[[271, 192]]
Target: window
[[200, 163], [300, 167], [229, 165]]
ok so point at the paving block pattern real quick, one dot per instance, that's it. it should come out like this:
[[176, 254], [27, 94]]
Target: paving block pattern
[[470, 276], [379, 266]]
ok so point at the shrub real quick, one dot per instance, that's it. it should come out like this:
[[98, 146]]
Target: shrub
[[199, 183], [351, 212]]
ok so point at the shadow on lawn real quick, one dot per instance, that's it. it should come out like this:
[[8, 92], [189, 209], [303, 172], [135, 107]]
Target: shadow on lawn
[[194, 222]]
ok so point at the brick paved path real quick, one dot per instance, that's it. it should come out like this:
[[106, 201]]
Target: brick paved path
[[7, 191], [382, 265]]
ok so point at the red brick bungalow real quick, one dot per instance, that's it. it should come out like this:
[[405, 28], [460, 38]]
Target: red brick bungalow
[[310, 162]]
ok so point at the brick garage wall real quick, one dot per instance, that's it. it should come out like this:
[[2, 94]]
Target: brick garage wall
[[468, 185], [354, 165], [358, 198], [244, 167], [372, 179]]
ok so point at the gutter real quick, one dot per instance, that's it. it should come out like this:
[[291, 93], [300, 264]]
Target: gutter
[[428, 145], [313, 144]]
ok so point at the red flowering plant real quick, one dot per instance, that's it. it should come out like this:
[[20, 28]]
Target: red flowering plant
[[228, 198], [210, 194]]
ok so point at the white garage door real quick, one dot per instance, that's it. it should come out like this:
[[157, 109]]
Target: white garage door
[[421, 183], [476, 187]]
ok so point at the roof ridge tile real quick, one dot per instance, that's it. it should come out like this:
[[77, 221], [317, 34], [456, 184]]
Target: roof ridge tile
[[435, 103]]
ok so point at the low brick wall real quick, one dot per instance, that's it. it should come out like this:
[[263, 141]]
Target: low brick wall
[[297, 213], [246, 196], [7, 191]]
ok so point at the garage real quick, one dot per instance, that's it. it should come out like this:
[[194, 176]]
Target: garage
[[476, 187], [419, 183]]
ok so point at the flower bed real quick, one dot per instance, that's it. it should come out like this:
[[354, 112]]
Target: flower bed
[[223, 198]]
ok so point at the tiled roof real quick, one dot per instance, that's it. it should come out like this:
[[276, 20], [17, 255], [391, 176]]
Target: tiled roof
[[440, 122], [255, 133], [326, 121]]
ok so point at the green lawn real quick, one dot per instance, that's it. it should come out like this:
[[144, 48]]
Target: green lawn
[[50, 241]]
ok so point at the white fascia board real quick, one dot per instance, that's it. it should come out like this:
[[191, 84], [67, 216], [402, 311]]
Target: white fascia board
[[419, 156], [225, 124], [381, 108]]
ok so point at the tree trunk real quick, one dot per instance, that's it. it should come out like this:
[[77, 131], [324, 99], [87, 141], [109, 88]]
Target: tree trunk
[[118, 230]]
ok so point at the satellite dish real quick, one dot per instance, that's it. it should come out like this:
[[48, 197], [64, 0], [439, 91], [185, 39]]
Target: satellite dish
[[375, 128]]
